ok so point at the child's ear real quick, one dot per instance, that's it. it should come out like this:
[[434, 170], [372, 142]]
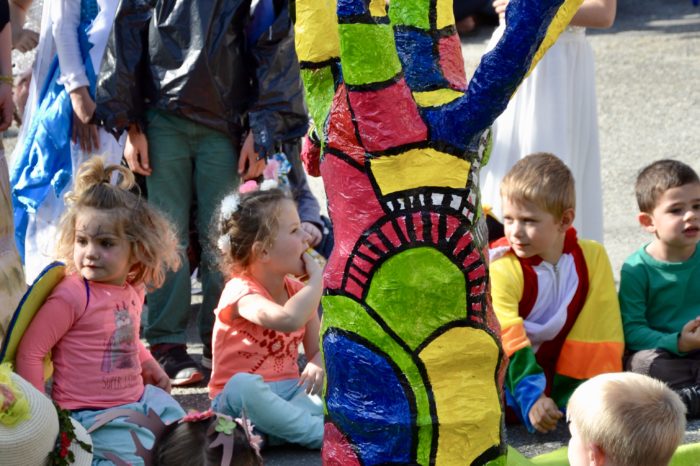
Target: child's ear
[[259, 251], [646, 221], [596, 455], [567, 219]]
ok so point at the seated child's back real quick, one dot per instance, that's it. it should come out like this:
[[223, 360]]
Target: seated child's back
[[554, 294]]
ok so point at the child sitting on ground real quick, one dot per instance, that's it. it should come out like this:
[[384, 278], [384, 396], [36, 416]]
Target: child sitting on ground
[[624, 419], [553, 294], [660, 282], [114, 245], [263, 315]]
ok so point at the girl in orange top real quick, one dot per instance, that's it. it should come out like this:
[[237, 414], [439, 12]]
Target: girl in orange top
[[262, 317]]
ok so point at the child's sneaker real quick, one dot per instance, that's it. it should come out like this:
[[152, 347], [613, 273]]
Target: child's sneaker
[[180, 367]]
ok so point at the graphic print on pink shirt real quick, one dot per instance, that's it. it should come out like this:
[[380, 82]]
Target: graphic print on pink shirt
[[121, 350], [271, 346]]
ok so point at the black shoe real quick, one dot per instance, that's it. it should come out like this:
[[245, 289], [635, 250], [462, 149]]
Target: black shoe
[[180, 367], [691, 398]]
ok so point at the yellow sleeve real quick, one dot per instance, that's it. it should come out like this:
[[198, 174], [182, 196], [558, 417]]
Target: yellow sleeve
[[507, 284], [595, 343]]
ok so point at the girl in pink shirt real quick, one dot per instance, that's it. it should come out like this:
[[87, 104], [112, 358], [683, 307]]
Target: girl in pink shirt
[[113, 244], [262, 317]]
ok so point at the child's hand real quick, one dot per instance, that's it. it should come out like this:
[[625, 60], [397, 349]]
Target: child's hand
[[136, 151], [313, 270], [83, 131], [153, 374], [500, 7], [312, 377], [544, 414], [313, 231], [689, 339]]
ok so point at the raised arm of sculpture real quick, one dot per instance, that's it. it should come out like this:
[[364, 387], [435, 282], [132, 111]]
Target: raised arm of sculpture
[[412, 349]]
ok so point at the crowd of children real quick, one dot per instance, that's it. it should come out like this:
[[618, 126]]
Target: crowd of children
[[567, 332]]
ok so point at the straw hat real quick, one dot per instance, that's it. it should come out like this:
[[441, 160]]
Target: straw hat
[[29, 440]]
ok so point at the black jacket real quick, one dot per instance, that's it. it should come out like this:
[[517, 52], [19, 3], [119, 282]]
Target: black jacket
[[190, 57]]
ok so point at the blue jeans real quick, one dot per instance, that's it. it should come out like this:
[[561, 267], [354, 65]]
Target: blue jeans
[[189, 161], [282, 409]]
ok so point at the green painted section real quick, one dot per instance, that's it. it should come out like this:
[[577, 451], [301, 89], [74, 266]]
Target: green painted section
[[320, 89], [417, 292], [413, 13], [346, 314], [368, 53]]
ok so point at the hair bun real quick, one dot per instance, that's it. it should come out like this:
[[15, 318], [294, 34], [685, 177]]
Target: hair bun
[[94, 172]]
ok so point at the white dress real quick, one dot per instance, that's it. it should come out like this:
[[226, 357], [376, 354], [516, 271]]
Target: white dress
[[554, 110]]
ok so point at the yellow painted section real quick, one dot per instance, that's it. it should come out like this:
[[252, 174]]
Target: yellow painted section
[[461, 366], [437, 97], [445, 14], [419, 167], [562, 19], [377, 7], [316, 30]]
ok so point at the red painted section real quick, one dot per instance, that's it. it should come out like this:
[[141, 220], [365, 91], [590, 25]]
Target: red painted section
[[388, 117], [353, 207], [341, 130], [390, 233], [452, 225], [452, 63], [477, 273], [337, 451]]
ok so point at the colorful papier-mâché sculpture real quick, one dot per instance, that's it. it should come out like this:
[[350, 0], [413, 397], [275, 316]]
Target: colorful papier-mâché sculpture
[[411, 346]]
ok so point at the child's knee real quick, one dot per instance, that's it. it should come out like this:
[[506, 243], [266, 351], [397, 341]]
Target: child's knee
[[240, 387]]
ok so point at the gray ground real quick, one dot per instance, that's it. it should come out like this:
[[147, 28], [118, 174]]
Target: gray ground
[[648, 71]]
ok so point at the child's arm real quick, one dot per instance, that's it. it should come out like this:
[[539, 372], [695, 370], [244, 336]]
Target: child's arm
[[313, 374], [592, 13], [49, 325], [525, 380], [639, 335], [151, 372], [295, 312], [596, 14], [65, 18]]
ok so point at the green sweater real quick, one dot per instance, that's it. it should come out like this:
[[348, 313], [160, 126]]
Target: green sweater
[[657, 299]]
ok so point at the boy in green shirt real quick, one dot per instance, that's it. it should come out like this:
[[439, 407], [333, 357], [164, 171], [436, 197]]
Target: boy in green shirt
[[660, 282]]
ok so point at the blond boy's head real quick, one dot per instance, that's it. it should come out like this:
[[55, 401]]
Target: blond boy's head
[[657, 178], [542, 179], [624, 419]]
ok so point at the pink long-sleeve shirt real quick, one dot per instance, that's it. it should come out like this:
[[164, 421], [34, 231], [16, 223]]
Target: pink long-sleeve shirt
[[92, 330]]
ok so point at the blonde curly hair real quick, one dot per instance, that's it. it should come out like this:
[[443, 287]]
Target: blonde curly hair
[[153, 241]]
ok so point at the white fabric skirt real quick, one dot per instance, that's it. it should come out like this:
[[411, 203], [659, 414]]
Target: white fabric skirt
[[554, 110]]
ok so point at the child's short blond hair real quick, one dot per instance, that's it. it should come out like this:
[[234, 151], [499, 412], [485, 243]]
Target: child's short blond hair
[[636, 420], [542, 179], [657, 178]]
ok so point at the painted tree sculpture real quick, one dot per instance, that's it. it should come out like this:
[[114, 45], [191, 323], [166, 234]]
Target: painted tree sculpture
[[411, 346]]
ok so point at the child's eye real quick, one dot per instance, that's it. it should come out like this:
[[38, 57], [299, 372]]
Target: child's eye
[[106, 243], [81, 241]]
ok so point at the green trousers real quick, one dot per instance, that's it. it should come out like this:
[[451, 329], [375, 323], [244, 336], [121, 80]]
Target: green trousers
[[189, 161]]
